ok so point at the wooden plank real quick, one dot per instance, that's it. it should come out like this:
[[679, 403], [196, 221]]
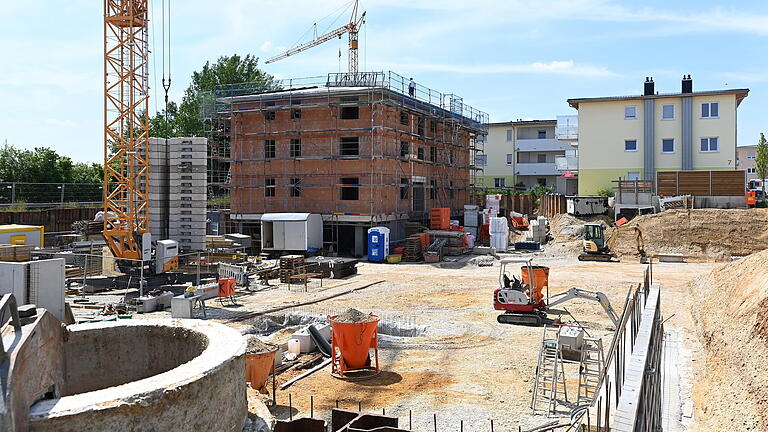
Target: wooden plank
[[728, 183]]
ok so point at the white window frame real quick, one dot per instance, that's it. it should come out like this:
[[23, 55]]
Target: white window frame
[[662, 145], [510, 159], [751, 170], [625, 145], [709, 110], [510, 135], [634, 107], [673, 112], [499, 182], [709, 145], [751, 156]]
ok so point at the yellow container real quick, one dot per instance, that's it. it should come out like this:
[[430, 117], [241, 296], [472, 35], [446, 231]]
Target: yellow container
[[394, 259]]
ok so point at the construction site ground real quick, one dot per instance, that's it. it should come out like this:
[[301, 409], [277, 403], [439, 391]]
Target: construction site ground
[[442, 351]]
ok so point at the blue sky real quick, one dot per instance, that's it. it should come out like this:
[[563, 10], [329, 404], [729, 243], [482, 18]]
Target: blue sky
[[512, 59]]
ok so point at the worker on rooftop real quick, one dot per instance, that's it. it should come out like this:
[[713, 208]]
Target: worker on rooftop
[[412, 88]]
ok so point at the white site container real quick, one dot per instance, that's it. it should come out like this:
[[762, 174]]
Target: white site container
[[291, 231]]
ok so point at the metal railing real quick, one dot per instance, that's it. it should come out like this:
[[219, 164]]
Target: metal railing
[[647, 412]]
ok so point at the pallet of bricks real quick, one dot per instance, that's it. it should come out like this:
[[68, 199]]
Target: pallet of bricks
[[291, 265], [16, 253]]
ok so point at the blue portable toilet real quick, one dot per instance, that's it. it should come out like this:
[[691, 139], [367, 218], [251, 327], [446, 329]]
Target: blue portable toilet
[[378, 244]]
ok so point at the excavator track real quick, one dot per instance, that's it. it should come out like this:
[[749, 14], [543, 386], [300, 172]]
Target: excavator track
[[526, 319], [596, 257]]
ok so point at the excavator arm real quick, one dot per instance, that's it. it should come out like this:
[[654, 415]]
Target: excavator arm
[[575, 293]]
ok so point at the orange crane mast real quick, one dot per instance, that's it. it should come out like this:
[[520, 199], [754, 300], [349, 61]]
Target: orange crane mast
[[126, 127]]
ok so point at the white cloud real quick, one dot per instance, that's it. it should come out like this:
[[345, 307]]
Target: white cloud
[[750, 77], [266, 46], [558, 67], [60, 122]]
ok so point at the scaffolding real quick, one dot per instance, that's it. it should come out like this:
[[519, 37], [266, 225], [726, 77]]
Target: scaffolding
[[302, 147]]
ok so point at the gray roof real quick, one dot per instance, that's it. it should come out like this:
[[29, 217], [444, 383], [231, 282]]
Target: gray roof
[[740, 95]]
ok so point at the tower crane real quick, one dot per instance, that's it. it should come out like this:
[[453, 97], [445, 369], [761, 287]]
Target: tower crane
[[352, 28], [126, 136]]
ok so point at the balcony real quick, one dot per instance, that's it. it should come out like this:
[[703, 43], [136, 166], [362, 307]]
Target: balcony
[[542, 145], [543, 169], [569, 162]]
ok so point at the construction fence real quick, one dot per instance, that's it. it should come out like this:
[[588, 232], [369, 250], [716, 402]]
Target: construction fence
[[49, 195]]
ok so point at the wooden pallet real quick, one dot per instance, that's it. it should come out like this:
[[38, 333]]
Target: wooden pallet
[[413, 250]]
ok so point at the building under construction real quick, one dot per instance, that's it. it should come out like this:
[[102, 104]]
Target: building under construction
[[359, 149]]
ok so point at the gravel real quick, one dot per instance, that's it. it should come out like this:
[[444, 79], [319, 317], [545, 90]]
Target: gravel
[[354, 316], [255, 346]]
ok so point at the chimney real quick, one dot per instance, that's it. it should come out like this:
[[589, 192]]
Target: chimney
[[648, 87], [687, 84]]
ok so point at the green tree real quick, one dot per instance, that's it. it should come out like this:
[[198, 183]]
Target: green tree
[[184, 120], [761, 160]]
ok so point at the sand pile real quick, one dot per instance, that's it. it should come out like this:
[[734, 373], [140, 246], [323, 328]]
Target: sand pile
[[255, 346], [699, 233], [731, 309], [354, 316], [567, 231]]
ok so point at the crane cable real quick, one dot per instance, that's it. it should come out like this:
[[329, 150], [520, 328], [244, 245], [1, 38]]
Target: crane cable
[[166, 85]]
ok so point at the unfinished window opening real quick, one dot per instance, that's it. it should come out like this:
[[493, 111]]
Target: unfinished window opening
[[349, 146], [269, 115], [350, 113], [405, 149], [433, 154], [186, 185], [186, 177], [542, 134], [432, 189], [295, 187], [420, 125], [404, 187], [269, 187], [350, 188], [420, 153], [433, 126], [450, 190], [403, 118], [296, 112], [295, 148], [269, 149], [451, 160]]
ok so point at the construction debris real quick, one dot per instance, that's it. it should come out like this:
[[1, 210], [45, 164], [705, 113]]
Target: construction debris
[[354, 316]]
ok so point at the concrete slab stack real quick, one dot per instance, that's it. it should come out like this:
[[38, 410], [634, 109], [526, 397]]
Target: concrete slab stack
[[178, 191]]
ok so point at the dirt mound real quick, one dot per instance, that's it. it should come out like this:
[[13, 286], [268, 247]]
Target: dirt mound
[[700, 233], [354, 316], [731, 310], [255, 346], [566, 228]]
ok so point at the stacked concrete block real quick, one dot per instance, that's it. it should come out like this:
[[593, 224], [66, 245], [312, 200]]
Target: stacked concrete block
[[158, 188], [178, 195], [537, 231]]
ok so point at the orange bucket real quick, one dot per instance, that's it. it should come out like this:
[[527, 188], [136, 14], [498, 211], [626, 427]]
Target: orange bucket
[[354, 341], [257, 369], [540, 277]]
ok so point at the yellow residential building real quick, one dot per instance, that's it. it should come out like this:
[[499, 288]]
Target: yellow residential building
[[634, 137]]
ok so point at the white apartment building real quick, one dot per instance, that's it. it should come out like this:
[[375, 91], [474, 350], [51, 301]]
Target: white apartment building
[[523, 153], [634, 137]]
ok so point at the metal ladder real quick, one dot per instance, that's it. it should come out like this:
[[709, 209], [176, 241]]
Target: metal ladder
[[549, 383], [590, 369]]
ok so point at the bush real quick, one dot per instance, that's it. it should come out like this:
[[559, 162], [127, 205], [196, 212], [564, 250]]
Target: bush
[[606, 193]]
